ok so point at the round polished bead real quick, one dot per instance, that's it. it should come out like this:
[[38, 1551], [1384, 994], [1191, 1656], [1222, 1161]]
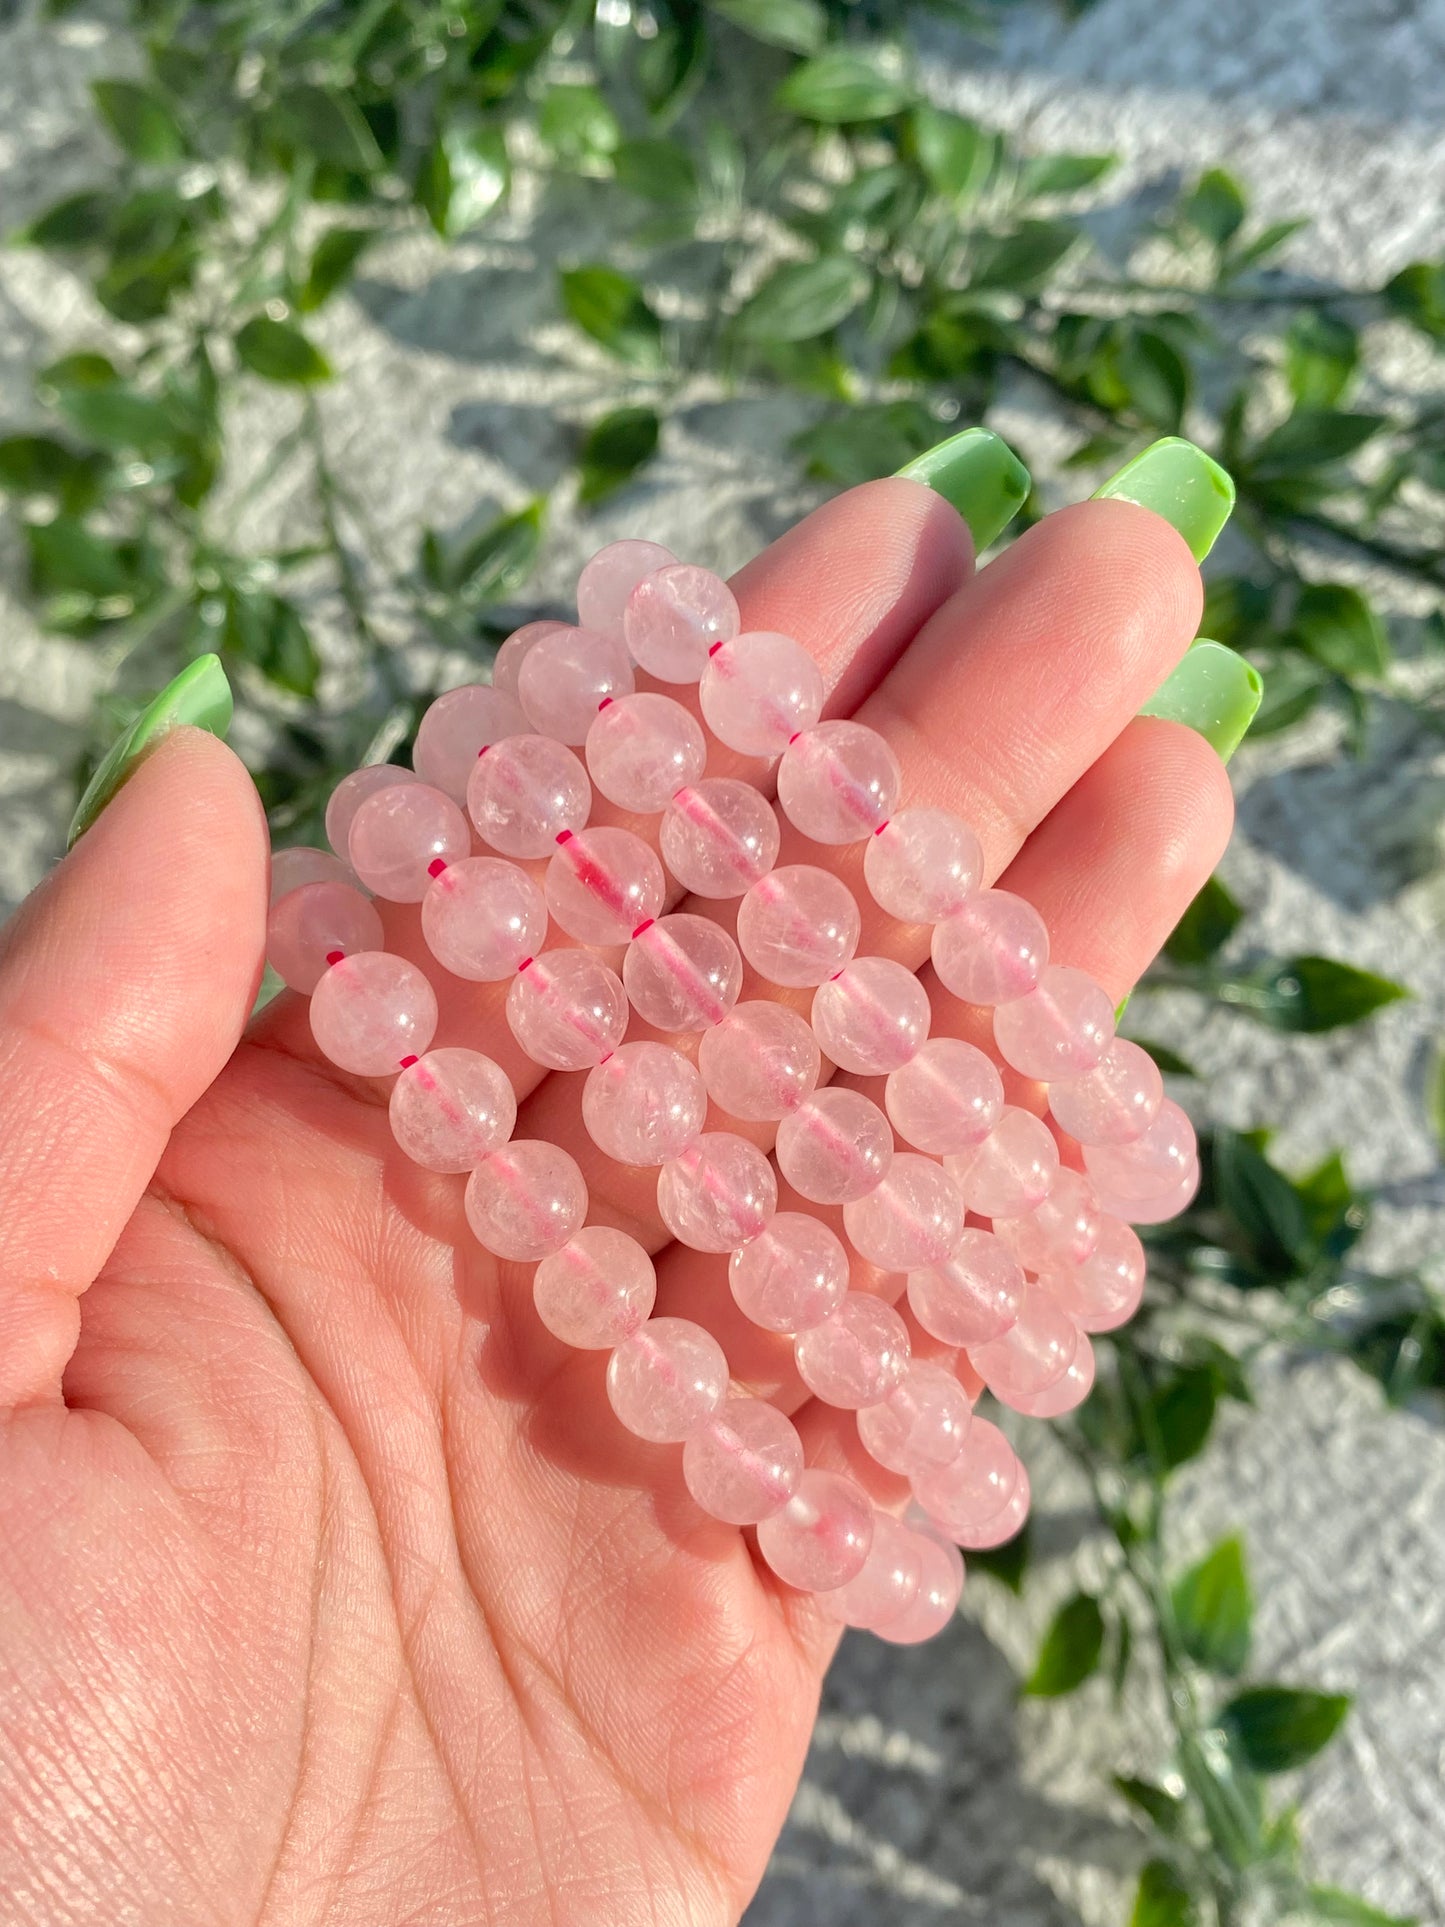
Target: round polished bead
[[946, 1097], [642, 750], [1005, 1524], [912, 1218], [371, 1011], [835, 1147], [567, 1010], [1066, 1394], [857, 1355], [314, 925], [758, 691], [1104, 1291], [525, 792], [674, 617], [1011, 1170], [1060, 1029], [1153, 1165], [403, 836], [972, 1488], [923, 865], [798, 925], [605, 586], [567, 676], [457, 728], [596, 1290], [525, 1200], [349, 795], [1157, 1209], [792, 1276], [872, 1016], [887, 1583], [602, 883], [451, 1108], [667, 1380], [291, 869], [718, 1193], [760, 1062], [821, 1537], [1062, 1230], [745, 1463], [921, 1423], [507, 663], [719, 836], [644, 1104], [973, 1296], [992, 950], [483, 917], [1032, 1354], [683, 973], [838, 782], [940, 1586], [1115, 1102]]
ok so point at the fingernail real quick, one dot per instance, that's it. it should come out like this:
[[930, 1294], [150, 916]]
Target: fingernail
[[200, 695], [1178, 481], [1214, 691], [982, 477]]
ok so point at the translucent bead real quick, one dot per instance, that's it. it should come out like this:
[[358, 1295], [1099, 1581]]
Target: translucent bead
[[683, 973], [525, 792], [1011, 1170], [457, 728], [718, 837], [857, 1355], [605, 586], [1032, 1354], [526, 1200], [1062, 1230], [507, 663], [674, 616], [349, 795], [666, 1381], [596, 1290], [887, 1583], [371, 1011], [1158, 1209], [798, 925], [872, 1016], [718, 1193], [567, 1010], [1115, 1102], [565, 678], [1066, 1394], [992, 950], [312, 926], [760, 1062], [974, 1487], [912, 1218], [1153, 1165], [791, 1276], [921, 1423], [1104, 1291], [839, 782], [644, 1104], [403, 836], [758, 690], [940, 1586], [451, 1108], [946, 1097], [642, 750], [821, 1537], [1060, 1029], [483, 917], [973, 1296], [1005, 1524], [293, 868], [602, 883], [923, 865], [835, 1147], [745, 1463]]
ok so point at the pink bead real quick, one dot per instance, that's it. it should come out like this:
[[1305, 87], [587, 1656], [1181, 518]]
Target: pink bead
[[456, 728], [1005, 1524], [525, 792], [1104, 1291], [310, 927], [667, 1380], [936, 1601], [992, 950], [973, 1296], [946, 1097], [872, 1017], [683, 973], [745, 1463], [1115, 1102], [857, 1355], [1060, 1029], [349, 795], [791, 1276], [1153, 1165], [1062, 1230], [821, 1537], [565, 678], [644, 1104], [526, 1200], [605, 586], [507, 663], [718, 1193], [912, 1218], [798, 925], [1011, 1170], [403, 836], [921, 1423], [1032, 1354], [292, 868], [758, 691], [888, 1582], [371, 1011], [838, 782], [1156, 1210], [483, 917], [923, 865], [567, 1010], [719, 836], [451, 1108], [596, 1290], [760, 1062], [642, 750], [602, 883], [674, 616], [972, 1488], [835, 1147], [1066, 1394]]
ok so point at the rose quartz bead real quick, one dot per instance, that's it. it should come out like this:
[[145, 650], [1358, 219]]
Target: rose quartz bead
[[507, 663], [821, 1537], [1104, 1291], [1066, 1394], [1005, 1524], [644, 1104], [372, 1010], [1032, 1354], [349, 795], [857, 1355], [1062, 1230], [835, 1147], [666, 1380], [526, 1200], [642, 750], [912, 1218], [1115, 1102], [923, 865], [567, 1010], [596, 1290], [719, 836], [1156, 1210], [872, 1016], [791, 1276], [602, 883], [921, 1423], [760, 1062], [567, 676], [886, 1585], [674, 616], [758, 691], [1152, 1166], [451, 1108], [457, 728], [311, 927], [1060, 1029], [992, 950], [301, 864], [605, 586], [1011, 1170], [940, 1586], [525, 792], [972, 1488], [946, 1097], [745, 1463], [838, 782], [798, 925], [403, 836], [973, 1296], [483, 917], [682, 973], [718, 1193]]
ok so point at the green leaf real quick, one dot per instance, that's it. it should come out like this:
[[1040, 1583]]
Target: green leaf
[[1349, 1910], [1417, 294], [956, 155], [1164, 1810], [841, 87], [141, 291], [118, 418], [1215, 208], [37, 465], [1070, 1650], [1262, 1203], [1268, 241], [1310, 994], [79, 221], [615, 448], [1183, 1413], [801, 26], [140, 120], [1023, 261], [328, 125], [1214, 1609], [66, 559], [874, 439], [333, 259], [612, 308], [1276, 1728], [82, 370], [464, 176], [1157, 378], [1292, 689], [803, 299], [657, 170], [578, 125], [1206, 925], [1064, 173], [1340, 629], [279, 351], [1162, 1899], [1006, 1563], [1321, 354], [268, 632], [1312, 438], [499, 559]]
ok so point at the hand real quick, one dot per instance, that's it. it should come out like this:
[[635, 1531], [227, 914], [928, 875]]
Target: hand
[[330, 1589]]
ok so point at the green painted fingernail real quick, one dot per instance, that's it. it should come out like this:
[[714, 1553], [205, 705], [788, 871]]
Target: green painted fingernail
[[1180, 482], [982, 477], [1214, 691], [200, 695]]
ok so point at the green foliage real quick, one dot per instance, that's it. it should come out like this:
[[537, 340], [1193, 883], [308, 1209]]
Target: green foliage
[[1275, 1728], [1213, 1608], [1071, 1649]]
